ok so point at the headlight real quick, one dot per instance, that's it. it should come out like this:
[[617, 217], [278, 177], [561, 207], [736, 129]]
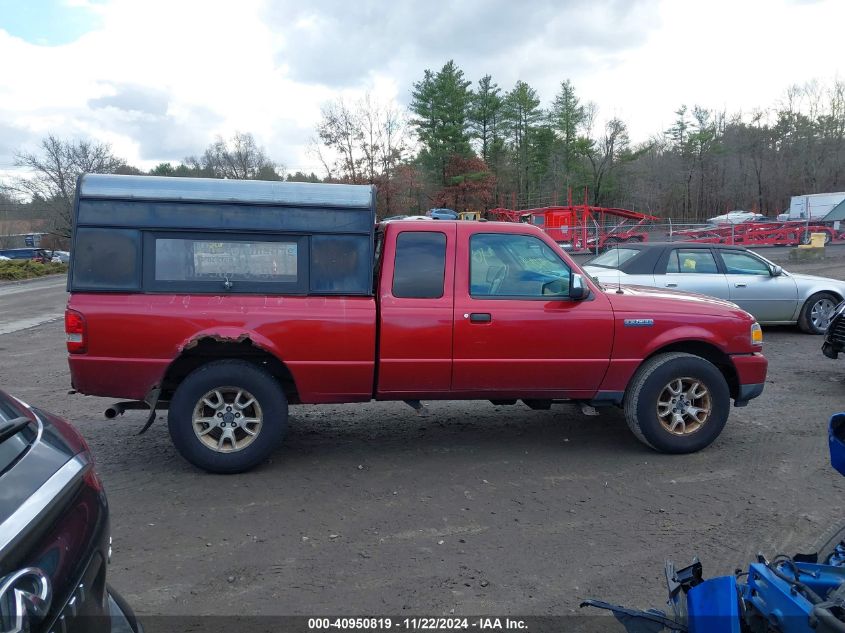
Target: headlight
[[756, 334]]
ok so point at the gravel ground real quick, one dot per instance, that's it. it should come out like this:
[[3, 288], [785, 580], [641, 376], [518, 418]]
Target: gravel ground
[[475, 509]]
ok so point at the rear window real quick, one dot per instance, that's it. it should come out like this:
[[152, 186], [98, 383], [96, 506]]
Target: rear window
[[691, 261]]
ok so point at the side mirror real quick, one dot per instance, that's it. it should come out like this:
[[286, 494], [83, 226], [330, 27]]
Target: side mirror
[[777, 271], [577, 288]]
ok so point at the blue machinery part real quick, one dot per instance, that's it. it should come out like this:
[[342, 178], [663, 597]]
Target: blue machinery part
[[803, 594]]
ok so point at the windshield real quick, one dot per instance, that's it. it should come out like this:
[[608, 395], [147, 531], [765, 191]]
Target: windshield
[[613, 258]]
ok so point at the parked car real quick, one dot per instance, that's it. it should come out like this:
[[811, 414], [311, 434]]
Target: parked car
[[764, 289], [738, 217], [54, 530], [37, 254], [236, 307], [834, 338], [442, 214], [59, 257]]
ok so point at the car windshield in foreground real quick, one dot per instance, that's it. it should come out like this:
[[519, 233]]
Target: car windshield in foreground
[[613, 258]]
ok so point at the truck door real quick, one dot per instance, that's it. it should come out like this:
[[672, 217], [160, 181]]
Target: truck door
[[416, 293], [511, 338]]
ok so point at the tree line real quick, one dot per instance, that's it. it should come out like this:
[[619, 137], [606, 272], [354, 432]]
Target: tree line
[[475, 146]]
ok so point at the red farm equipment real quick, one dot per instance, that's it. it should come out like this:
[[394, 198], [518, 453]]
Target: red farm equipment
[[759, 233], [583, 227]]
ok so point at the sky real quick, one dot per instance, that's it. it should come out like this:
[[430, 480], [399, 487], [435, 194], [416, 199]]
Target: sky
[[160, 79]]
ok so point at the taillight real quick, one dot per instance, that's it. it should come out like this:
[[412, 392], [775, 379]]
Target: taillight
[[75, 331]]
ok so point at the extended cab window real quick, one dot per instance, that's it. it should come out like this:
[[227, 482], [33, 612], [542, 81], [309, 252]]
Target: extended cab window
[[420, 265], [693, 261], [503, 265]]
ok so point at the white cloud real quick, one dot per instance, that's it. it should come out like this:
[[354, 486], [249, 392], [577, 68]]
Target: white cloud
[[160, 79]]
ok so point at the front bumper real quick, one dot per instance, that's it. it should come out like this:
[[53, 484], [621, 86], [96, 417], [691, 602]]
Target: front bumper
[[751, 376], [834, 338], [748, 392]]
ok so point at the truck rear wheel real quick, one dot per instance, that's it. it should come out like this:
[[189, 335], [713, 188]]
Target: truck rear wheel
[[677, 403], [227, 416]]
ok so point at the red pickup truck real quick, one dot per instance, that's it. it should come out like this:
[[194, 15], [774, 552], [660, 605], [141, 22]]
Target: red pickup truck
[[225, 301]]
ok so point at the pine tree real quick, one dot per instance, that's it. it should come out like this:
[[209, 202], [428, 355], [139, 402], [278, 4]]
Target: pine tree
[[441, 103]]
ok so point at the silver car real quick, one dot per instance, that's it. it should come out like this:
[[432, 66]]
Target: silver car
[[773, 295]]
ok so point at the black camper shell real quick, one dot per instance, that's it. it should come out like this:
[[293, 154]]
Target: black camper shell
[[201, 235]]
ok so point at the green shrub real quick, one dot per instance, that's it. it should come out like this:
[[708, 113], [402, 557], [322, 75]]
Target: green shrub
[[14, 269]]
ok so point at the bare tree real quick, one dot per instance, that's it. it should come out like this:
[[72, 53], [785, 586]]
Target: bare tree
[[606, 153], [239, 158], [368, 140], [55, 170]]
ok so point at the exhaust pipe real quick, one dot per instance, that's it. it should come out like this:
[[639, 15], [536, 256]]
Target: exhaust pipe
[[115, 410]]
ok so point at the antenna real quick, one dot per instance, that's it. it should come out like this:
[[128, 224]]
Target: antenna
[[618, 272]]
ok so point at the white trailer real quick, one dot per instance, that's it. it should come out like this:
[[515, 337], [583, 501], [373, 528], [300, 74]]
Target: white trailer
[[813, 206]]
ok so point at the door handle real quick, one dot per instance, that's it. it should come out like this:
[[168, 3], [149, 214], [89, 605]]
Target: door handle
[[740, 285], [672, 285], [480, 317]]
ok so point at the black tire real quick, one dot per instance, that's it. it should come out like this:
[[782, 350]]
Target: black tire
[[805, 319], [651, 382], [827, 542], [269, 405], [824, 545]]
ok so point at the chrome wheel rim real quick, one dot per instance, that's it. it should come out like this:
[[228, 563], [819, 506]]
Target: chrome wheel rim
[[684, 406], [227, 419], [821, 313]]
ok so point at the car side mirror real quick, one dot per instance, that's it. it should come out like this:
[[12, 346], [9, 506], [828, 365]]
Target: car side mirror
[[577, 288], [777, 271]]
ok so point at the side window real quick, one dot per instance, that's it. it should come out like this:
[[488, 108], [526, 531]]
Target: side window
[[419, 268], [692, 261], [107, 259], [209, 260], [503, 265], [215, 263], [739, 263], [340, 264]]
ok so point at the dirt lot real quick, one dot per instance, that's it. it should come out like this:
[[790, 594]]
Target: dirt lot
[[476, 509]]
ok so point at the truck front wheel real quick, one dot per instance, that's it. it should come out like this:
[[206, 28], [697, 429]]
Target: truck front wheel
[[227, 416], [677, 403]]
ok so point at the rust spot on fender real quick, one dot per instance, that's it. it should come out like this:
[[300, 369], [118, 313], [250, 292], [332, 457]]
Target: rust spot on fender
[[215, 338]]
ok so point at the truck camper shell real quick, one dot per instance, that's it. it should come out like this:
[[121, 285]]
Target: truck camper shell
[[201, 235]]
